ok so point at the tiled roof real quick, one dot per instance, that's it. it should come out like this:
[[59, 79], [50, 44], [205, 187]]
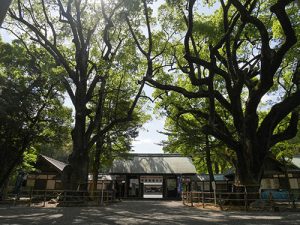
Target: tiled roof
[[57, 164], [296, 161], [153, 164], [205, 177]]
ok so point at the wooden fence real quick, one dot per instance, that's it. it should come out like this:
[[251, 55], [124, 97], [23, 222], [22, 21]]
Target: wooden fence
[[219, 198], [63, 197]]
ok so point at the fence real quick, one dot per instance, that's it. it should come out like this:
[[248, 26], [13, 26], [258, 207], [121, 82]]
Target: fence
[[229, 198], [63, 197], [219, 198]]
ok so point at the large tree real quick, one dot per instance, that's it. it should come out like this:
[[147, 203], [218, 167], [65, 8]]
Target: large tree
[[31, 104], [243, 53], [85, 39], [183, 128]]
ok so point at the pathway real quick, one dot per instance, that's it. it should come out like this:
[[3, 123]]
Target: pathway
[[141, 212]]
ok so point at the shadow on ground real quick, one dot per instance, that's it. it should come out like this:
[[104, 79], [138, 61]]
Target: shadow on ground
[[141, 212]]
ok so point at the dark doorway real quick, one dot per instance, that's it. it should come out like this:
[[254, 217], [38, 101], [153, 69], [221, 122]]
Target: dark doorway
[[40, 184]]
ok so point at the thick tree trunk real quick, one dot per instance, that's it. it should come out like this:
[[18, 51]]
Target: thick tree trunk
[[9, 162], [249, 166], [96, 163], [217, 169], [75, 175]]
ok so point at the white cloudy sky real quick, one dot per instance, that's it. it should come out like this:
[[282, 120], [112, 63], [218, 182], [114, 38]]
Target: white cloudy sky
[[148, 138]]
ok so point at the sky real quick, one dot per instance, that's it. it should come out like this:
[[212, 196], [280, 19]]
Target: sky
[[149, 138]]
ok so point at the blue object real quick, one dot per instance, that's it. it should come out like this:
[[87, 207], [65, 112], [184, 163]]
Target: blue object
[[275, 194]]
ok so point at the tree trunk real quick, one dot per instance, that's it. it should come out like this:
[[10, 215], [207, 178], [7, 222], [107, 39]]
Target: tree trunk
[[96, 164], [249, 166], [75, 175], [217, 169], [9, 162]]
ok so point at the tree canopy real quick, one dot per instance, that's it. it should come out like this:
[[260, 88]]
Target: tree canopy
[[91, 48], [230, 77], [231, 60], [31, 104]]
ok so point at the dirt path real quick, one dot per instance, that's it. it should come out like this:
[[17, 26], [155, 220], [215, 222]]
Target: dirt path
[[141, 212]]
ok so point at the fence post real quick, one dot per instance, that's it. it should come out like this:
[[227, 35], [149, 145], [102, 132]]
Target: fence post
[[215, 193], [246, 199], [15, 200], [44, 199], [192, 199], [30, 197], [203, 199]]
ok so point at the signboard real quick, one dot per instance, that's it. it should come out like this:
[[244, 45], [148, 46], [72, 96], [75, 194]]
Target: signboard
[[151, 179]]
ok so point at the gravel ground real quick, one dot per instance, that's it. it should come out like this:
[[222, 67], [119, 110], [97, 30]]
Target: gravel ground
[[141, 212]]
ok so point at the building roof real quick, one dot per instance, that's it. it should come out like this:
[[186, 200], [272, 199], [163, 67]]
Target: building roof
[[55, 163], [205, 177], [153, 164], [102, 177], [3, 9], [296, 161]]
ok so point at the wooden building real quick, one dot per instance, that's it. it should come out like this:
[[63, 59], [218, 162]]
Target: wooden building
[[47, 175], [278, 175], [134, 176], [281, 180], [202, 182], [152, 175]]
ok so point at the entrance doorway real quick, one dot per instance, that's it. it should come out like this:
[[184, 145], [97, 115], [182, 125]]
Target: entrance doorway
[[171, 187], [133, 187], [152, 186]]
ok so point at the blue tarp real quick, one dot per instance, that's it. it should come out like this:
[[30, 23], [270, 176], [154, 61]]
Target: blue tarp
[[276, 194]]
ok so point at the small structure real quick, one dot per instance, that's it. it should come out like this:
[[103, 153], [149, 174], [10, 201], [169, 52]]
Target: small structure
[[152, 175], [282, 180], [134, 176], [47, 175], [202, 182], [105, 182]]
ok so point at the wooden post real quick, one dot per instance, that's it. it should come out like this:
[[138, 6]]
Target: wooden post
[[215, 193], [246, 199], [15, 200], [102, 187], [44, 199], [203, 199], [192, 198], [30, 197]]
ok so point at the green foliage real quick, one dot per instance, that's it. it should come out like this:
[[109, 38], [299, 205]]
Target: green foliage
[[31, 109], [288, 149], [29, 159], [184, 129]]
